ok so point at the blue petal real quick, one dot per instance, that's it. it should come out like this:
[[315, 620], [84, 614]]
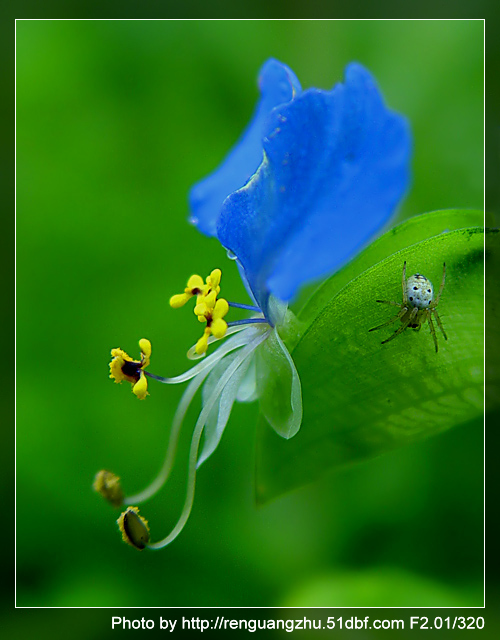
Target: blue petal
[[336, 165], [277, 84]]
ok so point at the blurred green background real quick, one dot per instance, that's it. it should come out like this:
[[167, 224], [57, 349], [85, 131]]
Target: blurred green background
[[115, 122]]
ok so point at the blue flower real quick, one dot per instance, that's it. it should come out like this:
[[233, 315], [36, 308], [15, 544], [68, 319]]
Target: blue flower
[[315, 175], [278, 85]]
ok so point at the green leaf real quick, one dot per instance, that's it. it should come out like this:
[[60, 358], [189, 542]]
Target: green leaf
[[409, 232], [362, 398], [382, 587]]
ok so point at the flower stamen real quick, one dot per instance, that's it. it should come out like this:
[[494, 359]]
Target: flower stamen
[[196, 287], [211, 310], [245, 353], [108, 485], [247, 307], [207, 309], [238, 323], [134, 528], [123, 367]]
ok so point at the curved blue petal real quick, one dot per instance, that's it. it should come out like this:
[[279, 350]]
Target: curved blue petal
[[277, 85], [336, 164]]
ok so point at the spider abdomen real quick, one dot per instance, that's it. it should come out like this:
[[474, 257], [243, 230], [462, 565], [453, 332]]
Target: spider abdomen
[[419, 291]]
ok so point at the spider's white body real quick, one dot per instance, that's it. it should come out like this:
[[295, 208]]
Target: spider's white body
[[419, 291]]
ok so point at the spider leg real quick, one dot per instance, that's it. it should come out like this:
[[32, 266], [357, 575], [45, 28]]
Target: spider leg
[[440, 325], [394, 304], [405, 324], [435, 302], [391, 320], [403, 284], [431, 327]]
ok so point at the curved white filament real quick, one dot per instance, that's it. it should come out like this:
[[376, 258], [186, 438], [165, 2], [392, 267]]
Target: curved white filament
[[192, 355], [247, 391], [243, 338], [179, 416], [198, 430]]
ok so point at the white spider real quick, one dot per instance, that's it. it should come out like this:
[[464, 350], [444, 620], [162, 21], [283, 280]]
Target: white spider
[[417, 307]]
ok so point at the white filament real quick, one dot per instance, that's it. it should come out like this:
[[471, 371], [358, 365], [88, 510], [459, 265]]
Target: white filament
[[192, 355], [219, 416], [245, 334], [179, 416], [197, 374], [246, 352]]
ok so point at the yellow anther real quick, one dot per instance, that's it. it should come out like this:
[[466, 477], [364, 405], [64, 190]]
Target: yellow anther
[[220, 309], [206, 305], [134, 528], [123, 367], [208, 309], [108, 485], [219, 328], [202, 344], [179, 300], [213, 279], [145, 347], [216, 326], [210, 299], [116, 365], [200, 310], [140, 388], [195, 284], [195, 287]]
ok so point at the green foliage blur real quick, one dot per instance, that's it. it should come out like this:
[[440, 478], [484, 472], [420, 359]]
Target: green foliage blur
[[115, 121]]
